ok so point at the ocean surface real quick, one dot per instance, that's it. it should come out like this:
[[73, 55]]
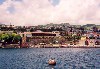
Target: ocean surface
[[37, 58]]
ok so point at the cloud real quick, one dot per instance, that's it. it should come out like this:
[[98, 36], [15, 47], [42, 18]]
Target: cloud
[[35, 12]]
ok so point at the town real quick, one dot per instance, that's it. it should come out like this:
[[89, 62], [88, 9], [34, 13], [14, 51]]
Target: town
[[50, 35]]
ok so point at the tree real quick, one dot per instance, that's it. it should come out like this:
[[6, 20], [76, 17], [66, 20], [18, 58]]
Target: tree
[[31, 30], [16, 38], [10, 38], [4, 37]]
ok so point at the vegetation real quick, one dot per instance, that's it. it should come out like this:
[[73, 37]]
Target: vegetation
[[10, 38]]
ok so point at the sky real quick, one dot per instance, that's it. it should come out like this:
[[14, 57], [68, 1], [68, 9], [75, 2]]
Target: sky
[[40, 12]]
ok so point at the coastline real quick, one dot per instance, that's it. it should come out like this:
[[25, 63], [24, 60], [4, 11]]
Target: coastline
[[54, 47]]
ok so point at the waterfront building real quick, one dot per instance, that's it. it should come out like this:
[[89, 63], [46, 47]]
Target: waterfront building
[[34, 38], [57, 33]]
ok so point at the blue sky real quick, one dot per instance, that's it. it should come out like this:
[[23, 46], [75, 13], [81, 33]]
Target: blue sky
[[55, 2], [11, 9], [1, 1]]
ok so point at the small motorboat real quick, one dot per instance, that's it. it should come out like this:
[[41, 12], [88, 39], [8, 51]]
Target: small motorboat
[[52, 62]]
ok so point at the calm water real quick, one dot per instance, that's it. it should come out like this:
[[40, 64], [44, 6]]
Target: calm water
[[37, 58]]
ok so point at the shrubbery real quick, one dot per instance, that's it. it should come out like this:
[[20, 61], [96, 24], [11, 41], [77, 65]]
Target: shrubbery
[[10, 38]]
